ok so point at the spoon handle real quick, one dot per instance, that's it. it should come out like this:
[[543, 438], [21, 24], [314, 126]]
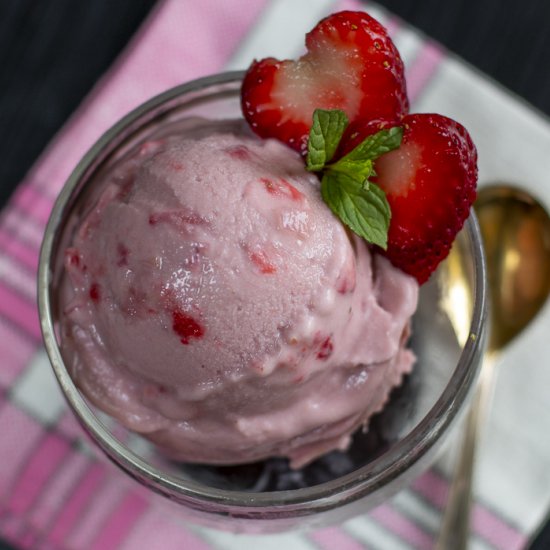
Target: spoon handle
[[455, 528]]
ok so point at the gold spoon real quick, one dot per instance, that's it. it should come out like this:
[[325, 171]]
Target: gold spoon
[[516, 235]]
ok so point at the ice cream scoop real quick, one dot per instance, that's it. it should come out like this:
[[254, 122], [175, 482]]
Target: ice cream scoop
[[214, 304]]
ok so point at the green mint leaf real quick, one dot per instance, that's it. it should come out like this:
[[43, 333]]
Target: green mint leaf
[[360, 170], [345, 184], [362, 207], [374, 146], [325, 135]]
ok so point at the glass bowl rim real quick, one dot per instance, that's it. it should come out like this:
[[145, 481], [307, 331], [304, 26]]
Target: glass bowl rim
[[359, 483]]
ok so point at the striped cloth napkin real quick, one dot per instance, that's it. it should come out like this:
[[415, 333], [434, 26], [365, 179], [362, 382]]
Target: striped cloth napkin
[[54, 493]]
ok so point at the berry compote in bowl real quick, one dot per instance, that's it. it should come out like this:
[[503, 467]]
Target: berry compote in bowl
[[402, 440]]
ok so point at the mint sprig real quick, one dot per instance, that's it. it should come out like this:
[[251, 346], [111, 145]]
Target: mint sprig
[[365, 211], [345, 184], [325, 135]]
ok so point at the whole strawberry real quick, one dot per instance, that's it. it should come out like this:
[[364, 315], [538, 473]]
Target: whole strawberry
[[430, 184], [351, 64]]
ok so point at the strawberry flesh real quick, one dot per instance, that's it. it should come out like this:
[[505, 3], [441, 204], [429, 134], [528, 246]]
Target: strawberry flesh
[[350, 64], [430, 184]]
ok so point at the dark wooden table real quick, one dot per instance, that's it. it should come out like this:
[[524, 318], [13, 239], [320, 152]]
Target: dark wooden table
[[51, 54]]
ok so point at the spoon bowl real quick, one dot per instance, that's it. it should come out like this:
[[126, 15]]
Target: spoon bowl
[[516, 233]]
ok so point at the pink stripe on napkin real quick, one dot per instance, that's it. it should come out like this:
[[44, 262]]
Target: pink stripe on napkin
[[20, 433], [20, 311], [25, 255], [496, 532], [352, 5], [19, 280], [15, 350], [433, 487], [44, 461], [28, 541], [76, 504], [13, 527], [403, 527], [68, 425], [54, 497], [160, 531], [21, 227], [333, 537], [118, 526], [101, 505], [33, 202]]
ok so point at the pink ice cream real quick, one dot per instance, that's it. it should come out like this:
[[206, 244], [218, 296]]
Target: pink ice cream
[[215, 305]]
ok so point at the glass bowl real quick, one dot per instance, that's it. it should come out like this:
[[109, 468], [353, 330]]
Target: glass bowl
[[448, 339]]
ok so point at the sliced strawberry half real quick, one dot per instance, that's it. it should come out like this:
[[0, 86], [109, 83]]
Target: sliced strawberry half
[[351, 64], [430, 183]]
